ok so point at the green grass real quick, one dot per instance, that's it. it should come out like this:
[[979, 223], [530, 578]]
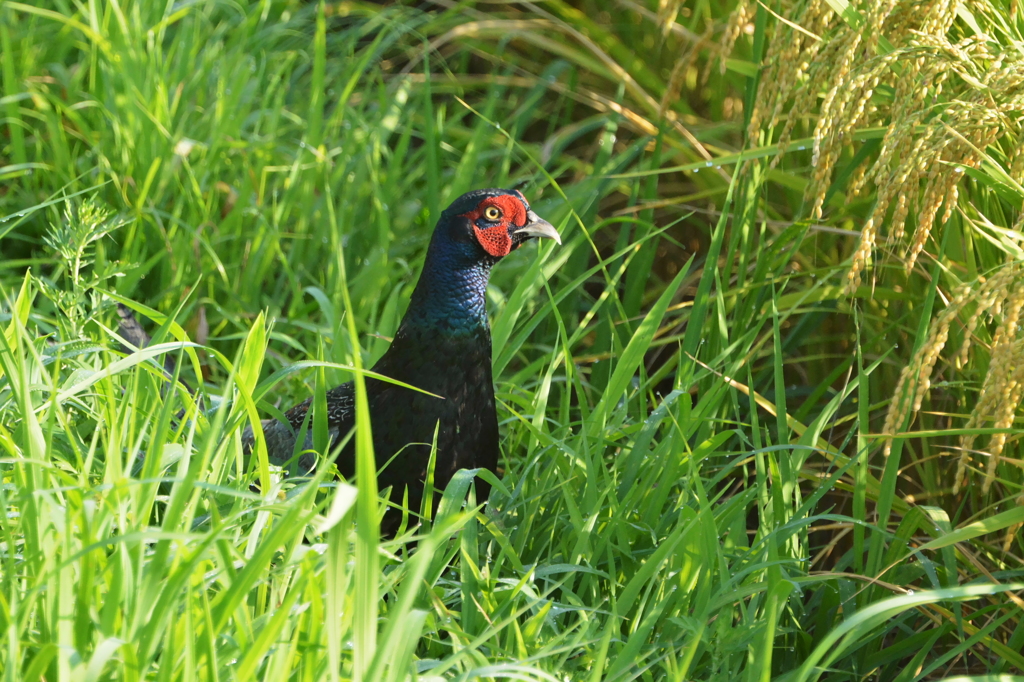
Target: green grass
[[692, 485]]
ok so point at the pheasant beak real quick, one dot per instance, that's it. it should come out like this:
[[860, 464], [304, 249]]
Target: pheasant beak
[[538, 227]]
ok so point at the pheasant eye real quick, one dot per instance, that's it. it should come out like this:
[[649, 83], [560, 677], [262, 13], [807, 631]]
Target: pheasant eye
[[492, 213]]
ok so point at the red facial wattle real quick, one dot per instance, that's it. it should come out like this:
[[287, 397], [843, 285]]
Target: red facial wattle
[[496, 239]]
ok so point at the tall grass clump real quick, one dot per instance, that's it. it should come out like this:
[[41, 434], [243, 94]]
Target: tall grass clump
[[696, 481]]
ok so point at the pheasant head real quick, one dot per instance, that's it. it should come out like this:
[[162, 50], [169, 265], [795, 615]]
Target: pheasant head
[[476, 231]]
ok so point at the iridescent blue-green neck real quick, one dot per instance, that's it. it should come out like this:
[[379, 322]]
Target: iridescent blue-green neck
[[451, 293]]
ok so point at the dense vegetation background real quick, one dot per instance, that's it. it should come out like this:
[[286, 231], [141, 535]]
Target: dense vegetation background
[[758, 410]]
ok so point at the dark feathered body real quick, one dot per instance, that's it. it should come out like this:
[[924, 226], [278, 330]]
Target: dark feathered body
[[442, 346], [404, 421]]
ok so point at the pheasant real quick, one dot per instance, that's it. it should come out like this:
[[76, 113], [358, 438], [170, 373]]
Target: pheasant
[[443, 346]]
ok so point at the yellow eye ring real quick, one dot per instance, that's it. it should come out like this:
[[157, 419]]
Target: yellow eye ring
[[492, 213]]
